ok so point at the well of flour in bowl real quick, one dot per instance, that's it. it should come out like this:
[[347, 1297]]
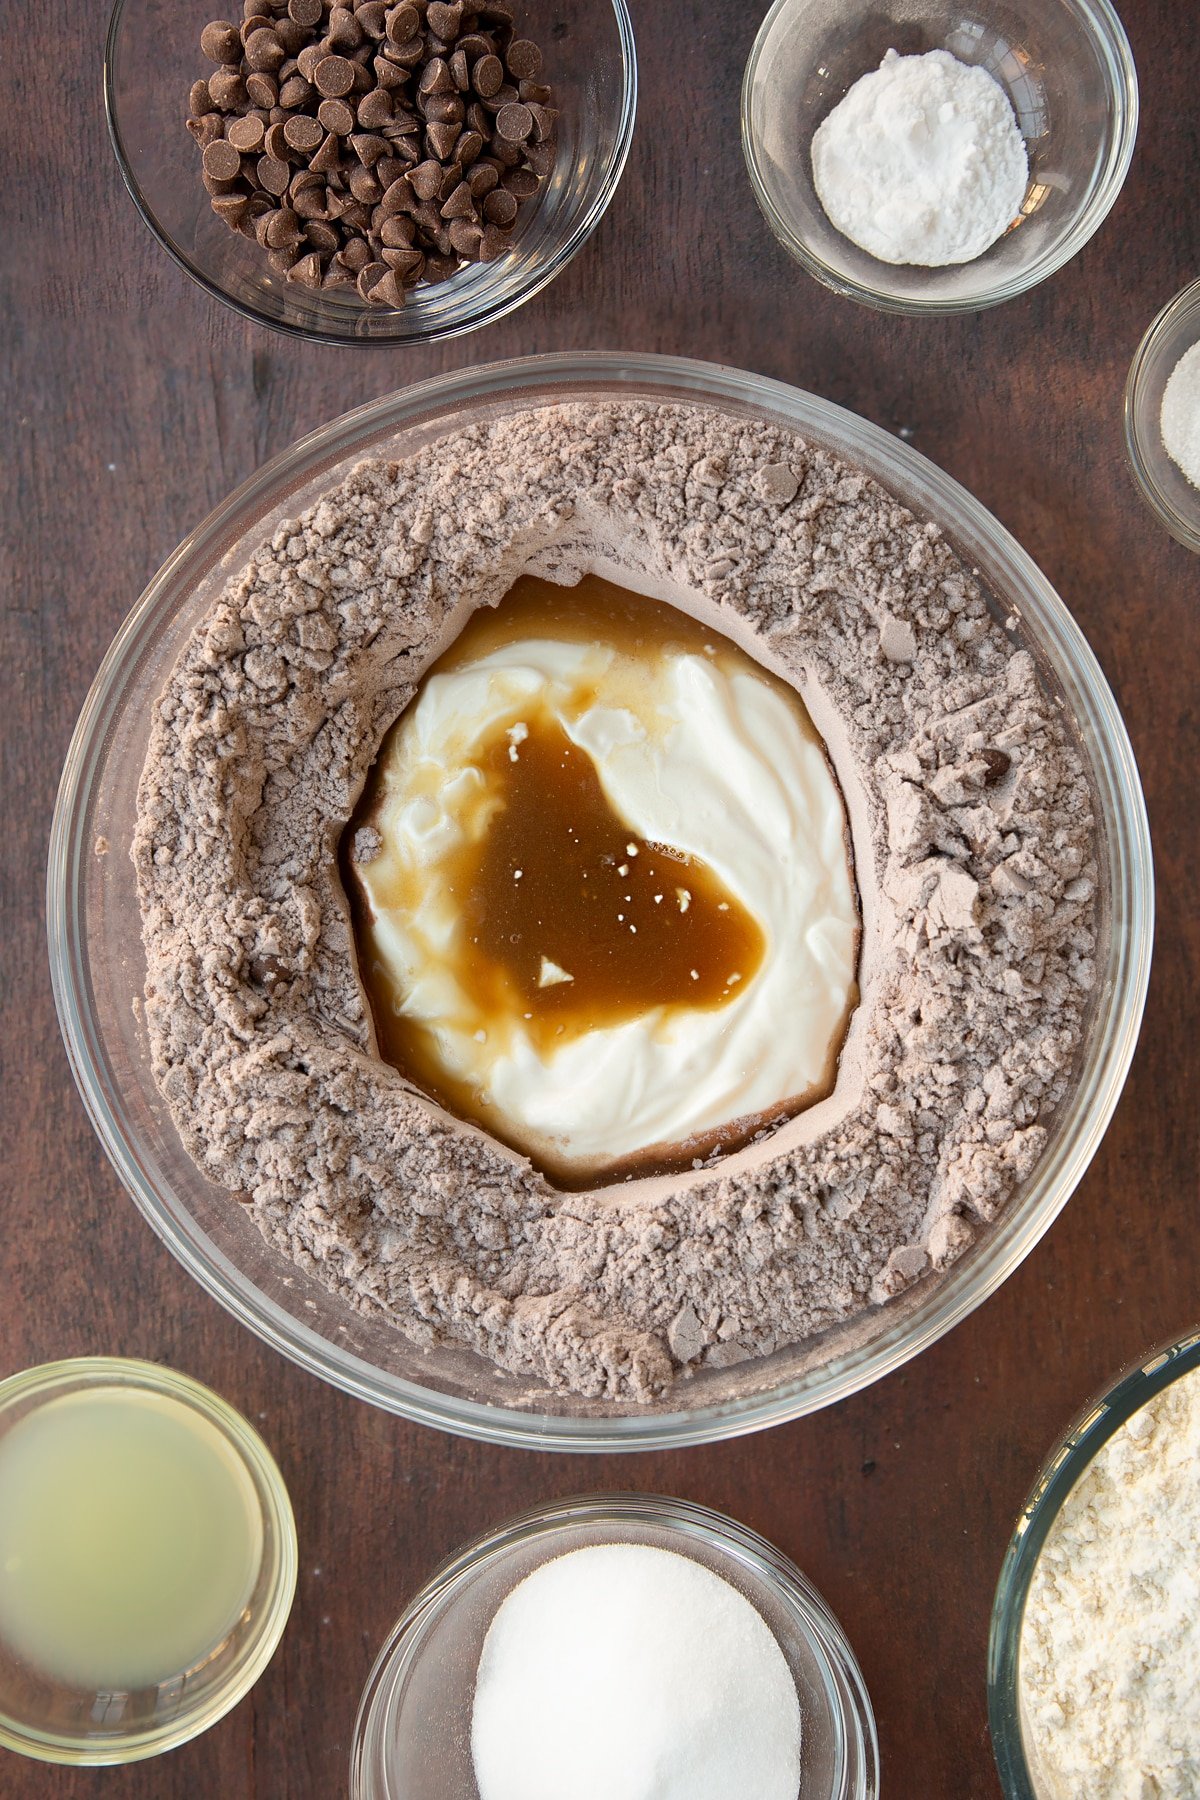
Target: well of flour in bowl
[[975, 860], [1109, 1670], [604, 900]]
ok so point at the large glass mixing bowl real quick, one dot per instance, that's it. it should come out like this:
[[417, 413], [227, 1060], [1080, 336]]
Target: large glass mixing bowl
[[98, 966]]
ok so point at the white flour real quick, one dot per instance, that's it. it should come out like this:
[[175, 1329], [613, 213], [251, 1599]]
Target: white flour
[[922, 162], [1180, 420], [1110, 1647]]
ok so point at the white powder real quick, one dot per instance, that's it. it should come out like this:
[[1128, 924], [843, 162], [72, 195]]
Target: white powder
[[1110, 1646], [622, 1672], [1180, 419], [922, 162]]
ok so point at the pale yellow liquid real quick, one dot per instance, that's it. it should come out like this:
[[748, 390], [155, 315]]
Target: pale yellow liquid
[[130, 1539]]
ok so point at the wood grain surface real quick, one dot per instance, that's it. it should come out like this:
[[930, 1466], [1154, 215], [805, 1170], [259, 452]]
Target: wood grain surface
[[132, 403]]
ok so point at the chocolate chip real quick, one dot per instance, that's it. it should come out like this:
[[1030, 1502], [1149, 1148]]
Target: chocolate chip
[[445, 20], [334, 76], [425, 179], [355, 255], [309, 57], [306, 12], [295, 92], [327, 159], [307, 271], [272, 174], [343, 29], [500, 206], [199, 99], [364, 186], [514, 123], [336, 116], [494, 243], [403, 24], [303, 133], [221, 43], [283, 229], [293, 37], [441, 139], [375, 109], [521, 183], [264, 52], [465, 237], [227, 90], [233, 208], [373, 19], [545, 119], [322, 236], [245, 134], [523, 59], [262, 90], [407, 263], [998, 764], [275, 142], [369, 276], [487, 76], [542, 157], [221, 160], [483, 178]]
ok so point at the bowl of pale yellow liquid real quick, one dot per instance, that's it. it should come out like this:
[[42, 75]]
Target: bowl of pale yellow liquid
[[147, 1560]]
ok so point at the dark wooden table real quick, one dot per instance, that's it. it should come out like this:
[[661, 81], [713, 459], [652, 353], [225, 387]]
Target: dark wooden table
[[132, 404]]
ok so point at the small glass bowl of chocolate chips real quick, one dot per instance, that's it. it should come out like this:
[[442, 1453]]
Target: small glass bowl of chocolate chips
[[372, 171]]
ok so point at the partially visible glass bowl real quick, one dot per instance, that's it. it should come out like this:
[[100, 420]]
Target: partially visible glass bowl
[[1067, 70], [98, 964], [413, 1735], [1060, 1474], [151, 60], [1163, 484], [54, 1721]]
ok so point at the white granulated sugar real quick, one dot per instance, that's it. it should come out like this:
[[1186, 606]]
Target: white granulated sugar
[[922, 162], [1110, 1646], [624, 1672], [1180, 419]]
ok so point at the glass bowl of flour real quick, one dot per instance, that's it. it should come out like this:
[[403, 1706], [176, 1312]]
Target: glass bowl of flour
[[1162, 416], [924, 158], [99, 964], [565, 1654], [1094, 1654]]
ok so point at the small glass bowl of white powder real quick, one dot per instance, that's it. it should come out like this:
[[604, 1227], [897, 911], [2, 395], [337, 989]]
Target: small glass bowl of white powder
[[935, 218], [1094, 1657], [1162, 416], [565, 1655]]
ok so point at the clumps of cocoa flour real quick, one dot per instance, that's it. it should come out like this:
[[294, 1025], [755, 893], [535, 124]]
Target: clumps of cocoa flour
[[975, 853]]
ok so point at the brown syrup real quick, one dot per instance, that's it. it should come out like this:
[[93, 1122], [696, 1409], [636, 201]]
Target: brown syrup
[[559, 886]]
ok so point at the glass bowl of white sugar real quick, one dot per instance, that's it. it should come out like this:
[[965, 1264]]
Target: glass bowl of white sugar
[[1094, 1655], [924, 158], [1162, 416], [620, 1644]]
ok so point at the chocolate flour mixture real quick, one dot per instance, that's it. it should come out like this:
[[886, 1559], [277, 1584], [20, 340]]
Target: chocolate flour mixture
[[973, 839]]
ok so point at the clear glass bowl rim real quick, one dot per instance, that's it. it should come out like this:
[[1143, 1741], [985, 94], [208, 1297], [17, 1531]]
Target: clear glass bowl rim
[[1117, 57], [516, 283], [1187, 301], [846, 1689], [971, 528], [71, 1374], [1082, 1441]]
